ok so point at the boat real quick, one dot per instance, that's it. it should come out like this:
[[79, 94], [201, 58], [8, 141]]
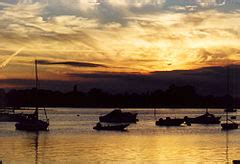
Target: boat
[[7, 115], [206, 118], [117, 116], [229, 124], [117, 127], [32, 121], [230, 92], [230, 110], [171, 122]]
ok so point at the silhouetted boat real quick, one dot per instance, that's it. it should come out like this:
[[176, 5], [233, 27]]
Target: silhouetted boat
[[32, 122], [206, 118], [118, 127], [117, 116], [229, 124], [230, 110], [7, 115], [171, 122]]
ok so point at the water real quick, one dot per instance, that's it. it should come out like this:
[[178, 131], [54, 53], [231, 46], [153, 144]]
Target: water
[[71, 139]]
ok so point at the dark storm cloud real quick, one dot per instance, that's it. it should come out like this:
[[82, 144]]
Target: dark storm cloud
[[71, 63]]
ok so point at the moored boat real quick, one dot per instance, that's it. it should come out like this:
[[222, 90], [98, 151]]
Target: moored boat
[[206, 118], [117, 127], [230, 110], [7, 116], [32, 121], [117, 116], [32, 124], [229, 126], [171, 122]]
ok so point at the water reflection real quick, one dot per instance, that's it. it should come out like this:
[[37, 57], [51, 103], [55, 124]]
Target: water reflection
[[36, 147], [32, 145], [71, 139], [227, 144]]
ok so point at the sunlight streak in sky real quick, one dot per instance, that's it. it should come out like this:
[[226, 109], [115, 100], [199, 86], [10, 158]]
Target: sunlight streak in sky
[[4, 64]]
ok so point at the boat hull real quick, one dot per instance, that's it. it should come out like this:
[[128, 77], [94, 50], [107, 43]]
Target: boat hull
[[37, 125], [171, 122], [5, 117], [230, 110], [204, 121], [112, 127], [117, 116], [206, 118], [229, 126]]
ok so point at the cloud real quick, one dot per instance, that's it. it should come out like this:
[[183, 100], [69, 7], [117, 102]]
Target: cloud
[[107, 75], [5, 4], [71, 63], [126, 36], [10, 58]]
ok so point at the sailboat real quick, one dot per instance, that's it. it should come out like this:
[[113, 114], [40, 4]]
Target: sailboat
[[32, 121], [206, 118], [230, 109], [229, 124]]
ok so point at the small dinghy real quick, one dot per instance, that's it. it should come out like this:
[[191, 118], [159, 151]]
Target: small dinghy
[[117, 127]]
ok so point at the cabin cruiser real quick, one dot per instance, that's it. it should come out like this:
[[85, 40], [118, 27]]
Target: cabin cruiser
[[117, 116], [206, 118], [171, 122]]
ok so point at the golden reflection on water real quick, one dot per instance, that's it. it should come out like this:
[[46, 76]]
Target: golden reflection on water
[[143, 142], [39, 148]]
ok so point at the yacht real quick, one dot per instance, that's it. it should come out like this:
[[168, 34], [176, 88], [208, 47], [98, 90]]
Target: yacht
[[117, 116], [206, 118], [32, 121]]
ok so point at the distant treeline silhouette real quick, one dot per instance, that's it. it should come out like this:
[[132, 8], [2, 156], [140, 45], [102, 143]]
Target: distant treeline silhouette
[[173, 97]]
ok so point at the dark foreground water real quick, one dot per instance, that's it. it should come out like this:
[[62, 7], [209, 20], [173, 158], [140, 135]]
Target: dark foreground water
[[71, 139]]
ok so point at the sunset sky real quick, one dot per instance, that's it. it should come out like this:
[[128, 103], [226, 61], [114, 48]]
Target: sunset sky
[[114, 42]]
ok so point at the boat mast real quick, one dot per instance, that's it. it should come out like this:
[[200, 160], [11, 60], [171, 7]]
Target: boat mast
[[36, 73], [36, 85], [229, 94]]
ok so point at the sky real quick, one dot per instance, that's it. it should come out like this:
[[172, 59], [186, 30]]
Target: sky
[[118, 44]]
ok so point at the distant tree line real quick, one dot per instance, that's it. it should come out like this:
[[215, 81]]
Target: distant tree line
[[173, 97]]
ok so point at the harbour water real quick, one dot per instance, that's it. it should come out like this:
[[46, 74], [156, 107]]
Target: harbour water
[[71, 139]]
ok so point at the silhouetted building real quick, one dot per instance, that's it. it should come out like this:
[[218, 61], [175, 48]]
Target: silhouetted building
[[75, 89], [2, 98]]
